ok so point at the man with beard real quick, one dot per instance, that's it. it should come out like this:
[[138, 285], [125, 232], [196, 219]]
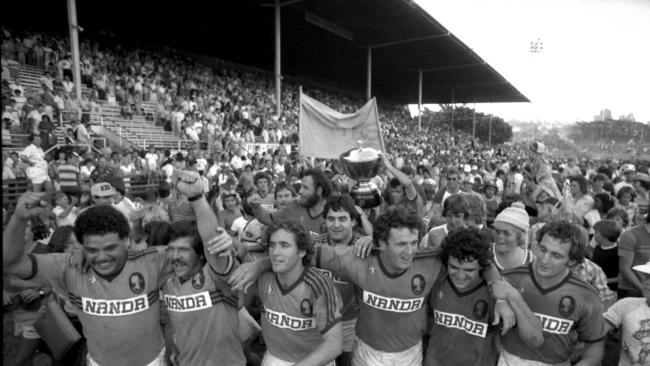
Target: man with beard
[[308, 210], [116, 291], [202, 309]]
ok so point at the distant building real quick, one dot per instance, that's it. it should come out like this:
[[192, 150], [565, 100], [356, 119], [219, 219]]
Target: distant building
[[604, 115]]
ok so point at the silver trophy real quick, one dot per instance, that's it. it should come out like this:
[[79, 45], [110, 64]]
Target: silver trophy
[[362, 164]]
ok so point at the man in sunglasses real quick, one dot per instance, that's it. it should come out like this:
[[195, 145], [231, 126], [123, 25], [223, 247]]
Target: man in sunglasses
[[452, 187]]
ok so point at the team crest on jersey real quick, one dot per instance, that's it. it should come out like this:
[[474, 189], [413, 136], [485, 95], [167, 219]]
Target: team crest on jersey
[[198, 280], [417, 284], [92, 279], [372, 269], [440, 294], [567, 305], [136, 282], [306, 309], [480, 309]]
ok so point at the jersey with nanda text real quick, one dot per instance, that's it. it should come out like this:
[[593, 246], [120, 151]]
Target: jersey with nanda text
[[392, 314], [569, 309], [204, 314], [120, 317], [294, 319], [461, 318]]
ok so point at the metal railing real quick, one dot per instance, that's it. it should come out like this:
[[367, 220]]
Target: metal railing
[[12, 189]]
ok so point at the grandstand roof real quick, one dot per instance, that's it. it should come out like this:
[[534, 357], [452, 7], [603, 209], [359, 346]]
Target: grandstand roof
[[404, 38]]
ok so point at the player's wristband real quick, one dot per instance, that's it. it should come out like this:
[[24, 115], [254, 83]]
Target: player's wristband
[[195, 198]]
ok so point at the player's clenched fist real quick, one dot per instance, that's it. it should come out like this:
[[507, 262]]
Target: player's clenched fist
[[28, 205], [188, 182]]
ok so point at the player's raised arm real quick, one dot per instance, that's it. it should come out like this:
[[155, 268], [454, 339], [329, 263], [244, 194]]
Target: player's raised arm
[[217, 243], [14, 259]]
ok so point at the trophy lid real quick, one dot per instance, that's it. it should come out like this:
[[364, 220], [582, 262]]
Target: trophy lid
[[362, 154]]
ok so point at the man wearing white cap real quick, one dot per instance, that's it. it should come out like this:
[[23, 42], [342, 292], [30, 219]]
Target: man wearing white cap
[[102, 193], [632, 316], [510, 228]]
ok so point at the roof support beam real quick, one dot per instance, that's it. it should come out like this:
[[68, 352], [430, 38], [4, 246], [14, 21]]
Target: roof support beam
[[454, 67], [448, 34], [281, 4]]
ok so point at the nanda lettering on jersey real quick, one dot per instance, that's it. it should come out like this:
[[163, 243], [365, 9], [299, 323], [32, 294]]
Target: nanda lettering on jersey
[[555, 325], [458, 321], [187, 303], [120, 307], [392, 303], [330, 275], [282, 320]]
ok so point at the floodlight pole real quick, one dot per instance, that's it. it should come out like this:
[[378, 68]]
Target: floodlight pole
[[474, 123], [74, 46], [490, 133], [420, 100], [278, 75], [369, 75], [453, 104]]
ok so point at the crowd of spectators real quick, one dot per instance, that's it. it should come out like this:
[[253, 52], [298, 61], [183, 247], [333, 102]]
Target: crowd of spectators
[[447, 178]]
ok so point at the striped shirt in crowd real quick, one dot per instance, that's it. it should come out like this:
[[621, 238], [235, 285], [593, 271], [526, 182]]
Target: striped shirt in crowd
[[68, 176]]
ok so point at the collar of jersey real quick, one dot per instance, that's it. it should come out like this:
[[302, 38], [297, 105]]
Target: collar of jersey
[[460, 293], [383, 269], [290, 288], [541, 289]]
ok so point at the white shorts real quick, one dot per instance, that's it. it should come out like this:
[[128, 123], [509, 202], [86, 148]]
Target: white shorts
[[37, 175], [508, 359], [270, 360], [158, 361], [364, 355], [26, 331]]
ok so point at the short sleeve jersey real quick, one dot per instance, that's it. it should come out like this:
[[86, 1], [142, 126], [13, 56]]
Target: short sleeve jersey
[[636, 244], [203, 313], [120, 317], [294, 211], [632, 316], [268, 202], [569, 309], [342, 283], [461, 318], [386, 301], [294, 319]]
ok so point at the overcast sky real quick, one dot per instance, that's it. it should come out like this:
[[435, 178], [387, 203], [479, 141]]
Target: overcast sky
[[596, 53]]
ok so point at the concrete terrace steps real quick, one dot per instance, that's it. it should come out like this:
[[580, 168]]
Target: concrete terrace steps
[[137, 131]]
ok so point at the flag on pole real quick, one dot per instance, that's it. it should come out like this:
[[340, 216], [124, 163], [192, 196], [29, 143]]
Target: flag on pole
[[327, 133]]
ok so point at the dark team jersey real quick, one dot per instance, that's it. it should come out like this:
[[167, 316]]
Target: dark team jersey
[[204, 315], [295, 211], [346, 289], [295, 319], [120, 317], [569, 310], [461, 319], [392, 312]]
